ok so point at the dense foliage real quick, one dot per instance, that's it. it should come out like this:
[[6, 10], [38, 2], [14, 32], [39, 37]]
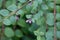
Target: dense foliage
[[29, 19]]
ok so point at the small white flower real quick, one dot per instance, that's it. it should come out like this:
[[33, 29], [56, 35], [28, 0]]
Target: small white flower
[[29, 21]]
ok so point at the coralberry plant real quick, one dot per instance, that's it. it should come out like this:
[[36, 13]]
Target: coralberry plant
[[29, 19]]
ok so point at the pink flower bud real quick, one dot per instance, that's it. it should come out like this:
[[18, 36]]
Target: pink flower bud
[[17, 18]]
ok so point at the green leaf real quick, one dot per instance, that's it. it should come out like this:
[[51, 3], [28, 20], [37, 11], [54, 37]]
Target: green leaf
[[51, 28], [28, 16], [57, 1], [7, 22], [58, 9], [40, 1], [8, 3], [58, 34], [50, 38], [58, 25], [18, 33], [38, 15], [33, 27], [58, 16], [50, 6], [22, 1], [49, 0], [22, 23], [39, 38], [19, 5], [44, 7], [34, 10], [40, 31], [28, 7], [50, 19], [8, 32], [20, 12], [12, 7], [34, 6], [49, 34], [13, 19], [4, 12], [40, 21], [13, 1]]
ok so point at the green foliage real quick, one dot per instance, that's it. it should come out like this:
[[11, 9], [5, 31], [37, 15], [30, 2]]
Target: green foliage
[[29, 19], [50, 19], [22, 23], [12, 7], [22, 1], [7, 22], [9, 32], [4, 12], [18, 33], [21, 13]]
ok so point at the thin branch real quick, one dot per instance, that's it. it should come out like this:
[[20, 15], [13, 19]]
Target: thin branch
[[14, 12], [55, 38]]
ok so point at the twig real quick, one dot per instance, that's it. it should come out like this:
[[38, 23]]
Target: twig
[[14, 12], [55, 38]]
